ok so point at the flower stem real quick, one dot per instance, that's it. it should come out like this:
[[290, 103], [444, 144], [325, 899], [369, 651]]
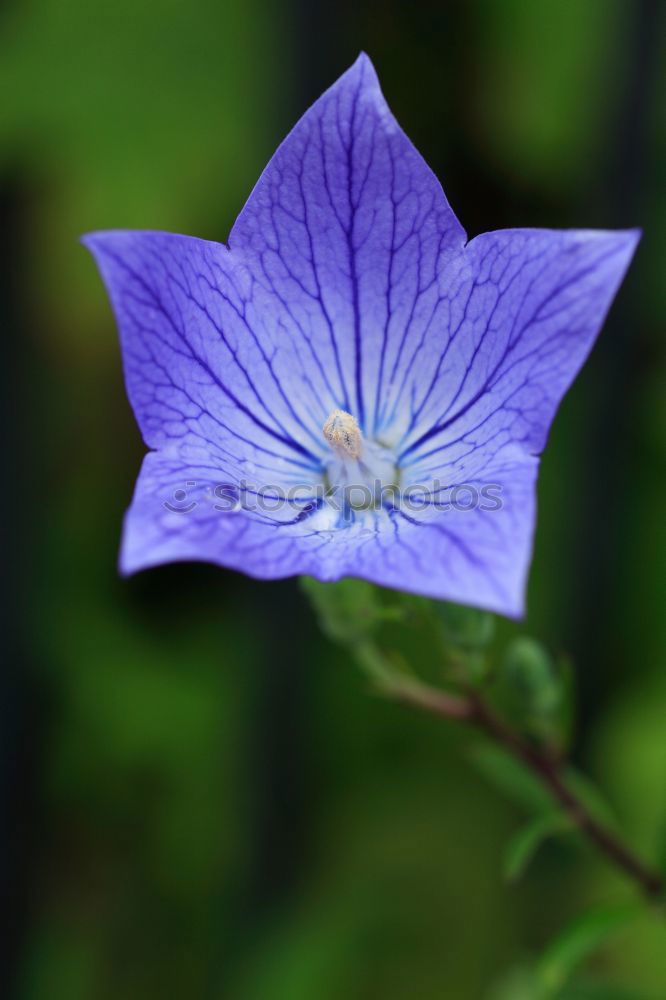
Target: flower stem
[[472, 709]]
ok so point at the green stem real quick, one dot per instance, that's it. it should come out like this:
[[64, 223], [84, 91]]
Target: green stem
[[472, 709]]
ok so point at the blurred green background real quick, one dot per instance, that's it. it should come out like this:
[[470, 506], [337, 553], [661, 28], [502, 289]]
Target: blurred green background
[[199, 798]]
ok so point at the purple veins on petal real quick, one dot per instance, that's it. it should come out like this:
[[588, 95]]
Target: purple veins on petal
[[347, 288]]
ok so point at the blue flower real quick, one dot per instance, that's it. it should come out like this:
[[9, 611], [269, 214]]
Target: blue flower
[[349, 387]]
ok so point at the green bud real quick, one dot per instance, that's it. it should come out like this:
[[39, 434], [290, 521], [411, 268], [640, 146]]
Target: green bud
[[465, 628], [465, 633], [536, 690], [531, 672], [347, 611]]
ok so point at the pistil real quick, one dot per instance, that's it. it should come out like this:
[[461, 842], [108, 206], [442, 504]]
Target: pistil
[[342, 432]]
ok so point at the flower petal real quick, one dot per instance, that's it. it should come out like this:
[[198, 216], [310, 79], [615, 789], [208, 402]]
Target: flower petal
[[525, 308], [350, 226], [473, 556], [202, 365]]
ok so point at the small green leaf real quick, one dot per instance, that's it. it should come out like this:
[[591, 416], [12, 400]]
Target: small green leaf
[[511, 777], [516, 983], [520, 983], [579, 939], [526, 841], [597, 989], [661, 848], [592, 798]]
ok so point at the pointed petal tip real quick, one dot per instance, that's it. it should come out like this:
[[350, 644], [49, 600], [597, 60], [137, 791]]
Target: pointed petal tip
[[130, 563], [363, 59], [98, 235], [630, 237], [87, 240], [124, 567], [363, 68], [95, 243], [127, 563], [634, 235], [626, 241], [95, 240]]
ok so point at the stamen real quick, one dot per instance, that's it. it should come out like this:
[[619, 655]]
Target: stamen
[[342, 432]]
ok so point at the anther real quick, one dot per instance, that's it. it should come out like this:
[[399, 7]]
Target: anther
[[342, 432]]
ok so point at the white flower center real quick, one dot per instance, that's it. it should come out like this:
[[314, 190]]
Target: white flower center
[[360, 474]]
